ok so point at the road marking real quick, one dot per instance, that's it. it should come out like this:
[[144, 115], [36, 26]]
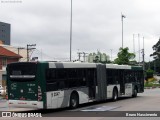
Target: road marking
[[97, 108]]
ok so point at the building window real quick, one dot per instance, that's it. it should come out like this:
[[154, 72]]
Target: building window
[[4, 61]]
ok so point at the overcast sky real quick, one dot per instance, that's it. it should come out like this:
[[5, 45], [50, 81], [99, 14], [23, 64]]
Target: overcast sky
[[96, 25]]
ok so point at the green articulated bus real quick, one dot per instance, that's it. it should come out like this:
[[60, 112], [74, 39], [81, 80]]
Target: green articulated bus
[[50, 85]]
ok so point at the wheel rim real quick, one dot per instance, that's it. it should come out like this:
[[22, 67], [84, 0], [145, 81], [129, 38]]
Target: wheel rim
[[73, 102]]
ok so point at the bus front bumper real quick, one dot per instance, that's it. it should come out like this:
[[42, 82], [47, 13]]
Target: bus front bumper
[[25, 104]]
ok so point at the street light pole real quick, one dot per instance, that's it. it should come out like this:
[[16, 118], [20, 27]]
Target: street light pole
[[133, 44], [143, 56], [111, 55], [139, 47], [71, 34], [122, 16]]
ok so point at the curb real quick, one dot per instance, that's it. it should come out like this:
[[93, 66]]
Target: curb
[[151, 87]]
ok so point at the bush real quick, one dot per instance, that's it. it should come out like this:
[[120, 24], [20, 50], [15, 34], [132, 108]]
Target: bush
[[151, 84], [149, 73]]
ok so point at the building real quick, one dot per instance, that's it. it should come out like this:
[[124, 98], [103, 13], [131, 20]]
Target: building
[[99, 57], [6, 57], [5, 30], [18, 50]]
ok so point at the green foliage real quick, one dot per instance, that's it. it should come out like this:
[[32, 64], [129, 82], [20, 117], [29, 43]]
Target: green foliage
[[150, 84], [96, 60], [124, 56], [156, 48], [149, 73], [154, 65]]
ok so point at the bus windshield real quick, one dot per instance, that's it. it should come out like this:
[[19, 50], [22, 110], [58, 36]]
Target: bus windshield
[[22, 72]]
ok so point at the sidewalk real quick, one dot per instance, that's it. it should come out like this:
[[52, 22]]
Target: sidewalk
[[1, 97]]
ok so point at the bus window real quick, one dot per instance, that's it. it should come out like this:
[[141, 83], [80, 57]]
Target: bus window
[[61, 84], [110, 76], [22, 72], [81, 77], [51, 82], [116, 76]]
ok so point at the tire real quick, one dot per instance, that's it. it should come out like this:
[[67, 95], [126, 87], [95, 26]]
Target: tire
[[134, 93], [74, 101], [115, 95]]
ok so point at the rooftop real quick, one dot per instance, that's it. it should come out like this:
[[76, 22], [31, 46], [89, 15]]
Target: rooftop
[[8, 53]]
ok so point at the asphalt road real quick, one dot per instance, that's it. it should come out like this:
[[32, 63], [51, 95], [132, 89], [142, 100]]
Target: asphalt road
[[148, 101]]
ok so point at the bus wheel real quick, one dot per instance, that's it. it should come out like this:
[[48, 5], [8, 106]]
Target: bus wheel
[[134, 93], [74, 101], [115, 95]]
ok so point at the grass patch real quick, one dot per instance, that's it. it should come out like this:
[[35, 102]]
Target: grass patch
[[151, 82], [151, 85]]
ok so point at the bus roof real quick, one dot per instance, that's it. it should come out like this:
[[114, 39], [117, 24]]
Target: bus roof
[[116, 66], [71, 65], [53, 64]]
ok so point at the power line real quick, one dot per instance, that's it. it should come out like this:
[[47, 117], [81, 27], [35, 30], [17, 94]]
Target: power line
[[55, 58], [20, 48]]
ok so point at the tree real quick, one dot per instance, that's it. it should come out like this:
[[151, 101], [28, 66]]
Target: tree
[[124, 56], [155, 64], [156, 48], [96, 59]]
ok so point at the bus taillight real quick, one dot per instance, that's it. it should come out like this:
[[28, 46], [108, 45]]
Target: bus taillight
[[39, 93]]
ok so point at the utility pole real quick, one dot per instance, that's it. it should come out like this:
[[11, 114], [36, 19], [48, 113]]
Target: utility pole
[[79, 55], [29, 47], [20, 48], [122, 16], [133, 44], [84, 56], [71, 34], [139, 47], [143, 54], [111, 55], [143, 59]]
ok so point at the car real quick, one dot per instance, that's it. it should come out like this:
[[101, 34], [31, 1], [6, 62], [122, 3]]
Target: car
[[2, 91], [0, 86]]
